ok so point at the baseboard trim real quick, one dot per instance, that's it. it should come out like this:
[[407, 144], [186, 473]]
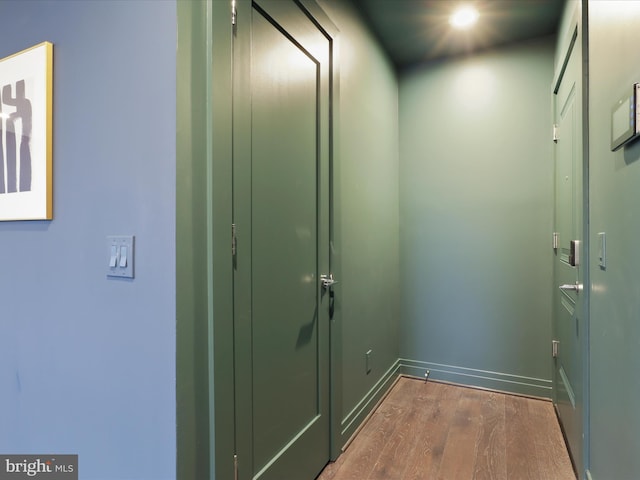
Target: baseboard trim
[[382, 398], [356, 417], [504, 382]]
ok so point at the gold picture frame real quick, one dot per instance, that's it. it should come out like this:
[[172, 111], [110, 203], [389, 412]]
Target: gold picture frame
[[26, 150]]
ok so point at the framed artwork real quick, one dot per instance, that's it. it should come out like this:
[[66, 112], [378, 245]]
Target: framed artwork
[[26, 91]]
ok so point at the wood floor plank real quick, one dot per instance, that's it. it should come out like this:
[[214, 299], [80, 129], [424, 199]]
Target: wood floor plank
[[521, 460], [332, 469], [491, 458], [401, 395], [393, 459], [363, 453], [424, 461], [390, 462], [399, 401], [427, 431], [554, 462], [459, 456]]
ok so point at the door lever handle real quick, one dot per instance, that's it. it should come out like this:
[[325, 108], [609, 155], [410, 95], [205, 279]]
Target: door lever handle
[[328, 281], [572, 286]]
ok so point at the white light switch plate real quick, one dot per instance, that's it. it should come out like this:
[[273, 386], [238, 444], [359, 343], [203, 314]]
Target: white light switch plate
[[120, 256]]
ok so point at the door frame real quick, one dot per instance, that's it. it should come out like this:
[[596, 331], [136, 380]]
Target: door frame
[[195, 225], [204, 298], [574, 37]]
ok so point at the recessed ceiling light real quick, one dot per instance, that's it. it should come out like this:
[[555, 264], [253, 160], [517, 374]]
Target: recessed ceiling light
[[463, 17]]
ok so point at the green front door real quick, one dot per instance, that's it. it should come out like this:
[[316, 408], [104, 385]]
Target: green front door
[[569, 261], [281, 198]]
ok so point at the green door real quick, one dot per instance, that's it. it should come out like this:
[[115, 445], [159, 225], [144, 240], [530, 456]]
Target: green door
[[281, 197], [569, 260]]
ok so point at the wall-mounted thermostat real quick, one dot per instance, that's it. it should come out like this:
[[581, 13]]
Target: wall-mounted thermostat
[[625, 124]]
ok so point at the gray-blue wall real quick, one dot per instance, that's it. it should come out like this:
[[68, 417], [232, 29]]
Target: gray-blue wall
[[87, 363], [614, 190], [476, 205]]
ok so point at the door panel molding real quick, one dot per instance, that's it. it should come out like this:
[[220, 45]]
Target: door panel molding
[[282, 106], [568, 388]]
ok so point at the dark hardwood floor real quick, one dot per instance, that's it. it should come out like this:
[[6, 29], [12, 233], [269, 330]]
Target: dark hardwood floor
[[444, 432]]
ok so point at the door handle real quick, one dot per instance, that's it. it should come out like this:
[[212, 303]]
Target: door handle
[[328, 281], [572, 286]]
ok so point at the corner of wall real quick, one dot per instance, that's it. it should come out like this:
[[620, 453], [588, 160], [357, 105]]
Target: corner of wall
[[192, 276]]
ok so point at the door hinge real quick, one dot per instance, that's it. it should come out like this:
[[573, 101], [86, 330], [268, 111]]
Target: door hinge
[[234, 12], [555, 240], [234, 240], [555, 133], [235, 467], [554, 348]]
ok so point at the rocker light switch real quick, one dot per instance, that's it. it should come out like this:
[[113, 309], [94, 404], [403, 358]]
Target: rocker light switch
[[120, 256], [123, 257], [113, 261]]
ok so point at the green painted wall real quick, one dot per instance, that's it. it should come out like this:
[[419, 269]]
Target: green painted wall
[[476, 206], [366, 244], [366, 195], [203, 216], [614, 195], [192, 239]]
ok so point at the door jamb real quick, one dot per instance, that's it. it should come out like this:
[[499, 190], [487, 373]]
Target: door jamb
[[578, 31], [204, 302], [330, 30]]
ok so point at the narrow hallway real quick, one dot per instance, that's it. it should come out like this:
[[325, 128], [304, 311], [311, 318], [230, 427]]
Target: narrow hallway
[[440, 431]]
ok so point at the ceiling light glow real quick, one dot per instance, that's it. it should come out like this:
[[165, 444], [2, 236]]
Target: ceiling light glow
[[464, 17]]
